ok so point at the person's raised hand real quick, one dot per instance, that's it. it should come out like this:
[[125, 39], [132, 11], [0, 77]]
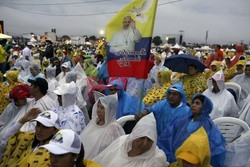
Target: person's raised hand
[[31, 114]]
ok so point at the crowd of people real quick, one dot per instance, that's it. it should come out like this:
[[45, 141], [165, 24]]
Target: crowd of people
[[52, 115]]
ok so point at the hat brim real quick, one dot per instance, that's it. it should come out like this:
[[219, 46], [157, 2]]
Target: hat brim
[[55, 149], [44, 122], [191, 158]]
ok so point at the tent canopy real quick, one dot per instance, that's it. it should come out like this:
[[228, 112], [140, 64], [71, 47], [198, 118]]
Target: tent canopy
[[4, 36]]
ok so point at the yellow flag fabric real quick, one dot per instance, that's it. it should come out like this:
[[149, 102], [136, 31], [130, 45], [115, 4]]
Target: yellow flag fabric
[[129, 36], [146, 27]]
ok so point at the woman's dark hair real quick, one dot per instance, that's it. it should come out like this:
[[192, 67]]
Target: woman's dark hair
[[192, 65], [79, 160], [200, 97], [242, 58]]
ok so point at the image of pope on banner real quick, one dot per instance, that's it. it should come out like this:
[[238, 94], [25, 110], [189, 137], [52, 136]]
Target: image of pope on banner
[[129, 36]]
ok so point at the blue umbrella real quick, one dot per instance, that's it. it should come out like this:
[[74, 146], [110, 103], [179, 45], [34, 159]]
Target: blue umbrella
[[180, 63]]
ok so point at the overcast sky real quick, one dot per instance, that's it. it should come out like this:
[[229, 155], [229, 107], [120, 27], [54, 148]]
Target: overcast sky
[[228, 21]]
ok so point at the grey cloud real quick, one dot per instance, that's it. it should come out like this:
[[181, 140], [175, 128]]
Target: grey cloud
[[226, 20]]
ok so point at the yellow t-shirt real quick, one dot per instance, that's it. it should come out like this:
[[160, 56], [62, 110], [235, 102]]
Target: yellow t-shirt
[[193, 84], [19, 152]]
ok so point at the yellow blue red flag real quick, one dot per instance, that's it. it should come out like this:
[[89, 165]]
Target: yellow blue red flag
[[129, 36]]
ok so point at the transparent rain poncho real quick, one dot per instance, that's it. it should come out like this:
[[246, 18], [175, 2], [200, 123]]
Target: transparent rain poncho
[[223, 101], [25, 71], [116, 154], [70, 115], [52, 82], [96, 138]]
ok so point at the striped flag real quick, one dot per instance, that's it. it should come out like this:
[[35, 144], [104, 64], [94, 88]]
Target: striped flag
[[129, 36]]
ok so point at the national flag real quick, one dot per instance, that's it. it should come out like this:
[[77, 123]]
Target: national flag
[[129, 36]]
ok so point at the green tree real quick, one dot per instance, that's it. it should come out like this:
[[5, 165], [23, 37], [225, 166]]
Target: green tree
[[92, 37], [157, 40]]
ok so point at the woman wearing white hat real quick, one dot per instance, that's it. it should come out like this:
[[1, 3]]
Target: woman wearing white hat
[[23, 147], [66, 150]]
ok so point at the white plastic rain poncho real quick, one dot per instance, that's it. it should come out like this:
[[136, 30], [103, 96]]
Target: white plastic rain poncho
[[238, 152], [152, 75], [96, 138], [8, 114], [82, 94], [69, 114], [50, 77], [70, 76], [224, 102], [61, 77], [25, 71], [135, 85], [52, 82], [44, 103], [244, 82], [116, 155], [38, 74]]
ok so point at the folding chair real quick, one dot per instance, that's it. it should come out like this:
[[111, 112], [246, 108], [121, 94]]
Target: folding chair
[[231, 128], [127, 122], [235, 87]]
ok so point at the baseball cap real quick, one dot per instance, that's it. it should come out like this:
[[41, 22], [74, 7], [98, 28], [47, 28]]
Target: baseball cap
[[41, 83], [174, 88], [48, 118], [64, 141], [20, 92], [189, 157], [66, 64]]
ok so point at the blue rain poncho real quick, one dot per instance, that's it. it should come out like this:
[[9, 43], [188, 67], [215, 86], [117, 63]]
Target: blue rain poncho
[[164, 114], [103, 74], [127, 104], [173, 136]]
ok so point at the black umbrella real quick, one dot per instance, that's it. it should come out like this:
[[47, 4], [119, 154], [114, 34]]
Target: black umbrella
[[180, 63]]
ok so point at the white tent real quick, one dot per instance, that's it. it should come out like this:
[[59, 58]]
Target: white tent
[[4, 36], [206, 48], [176, 46]]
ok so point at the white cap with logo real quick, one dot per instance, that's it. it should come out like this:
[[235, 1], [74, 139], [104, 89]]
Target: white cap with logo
[[64, 141], [48, 118]]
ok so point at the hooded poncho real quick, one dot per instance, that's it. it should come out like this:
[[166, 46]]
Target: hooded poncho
[[164, 114], [70, 115], [116, 155], [223, 101], [96, 138], [174, 136]]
